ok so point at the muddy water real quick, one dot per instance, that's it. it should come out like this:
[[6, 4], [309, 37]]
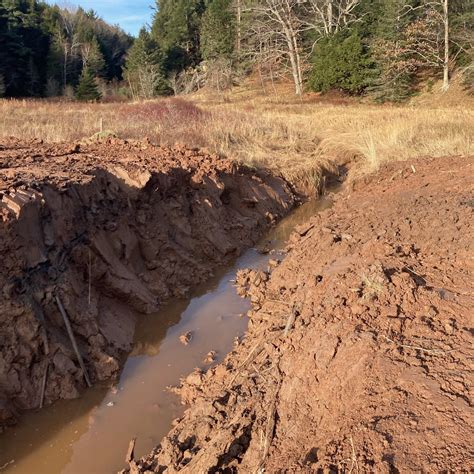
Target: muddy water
[[91, 435]]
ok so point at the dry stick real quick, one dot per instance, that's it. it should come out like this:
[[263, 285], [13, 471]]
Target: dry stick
[[296, 308], [270, 427], [43, 385], [248, 358], [354, 458], [73, 340], [290, 322], [408, 346]]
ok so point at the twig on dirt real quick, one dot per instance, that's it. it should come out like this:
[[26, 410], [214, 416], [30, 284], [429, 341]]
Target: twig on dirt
[[43, 384], [246, 361], [73, 339], [305, 238], [259, 373], [353, 458], [410, 270], [270, 427], [290, 321], [419, 348], [399, 172], [295, 310]]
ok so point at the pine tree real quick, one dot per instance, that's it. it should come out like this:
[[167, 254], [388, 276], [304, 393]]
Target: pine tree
[[92, 57], [87, 88], [176, 29], [218, 30], [144, 68]]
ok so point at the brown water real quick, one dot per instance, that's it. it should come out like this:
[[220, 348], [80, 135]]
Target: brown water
[[91, 435]]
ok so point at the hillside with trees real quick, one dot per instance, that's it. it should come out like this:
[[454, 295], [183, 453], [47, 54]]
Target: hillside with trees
[[45, 50], [356, 46], [382, 48]]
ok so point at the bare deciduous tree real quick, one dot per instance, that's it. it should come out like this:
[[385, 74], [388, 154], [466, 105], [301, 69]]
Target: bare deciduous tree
[[67, 38], [330, 16], [429, 37], [277, 29], [279, 23]]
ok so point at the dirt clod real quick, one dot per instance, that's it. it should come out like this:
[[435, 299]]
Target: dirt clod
[[185, 338]]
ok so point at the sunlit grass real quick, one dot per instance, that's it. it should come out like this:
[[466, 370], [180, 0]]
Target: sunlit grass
[[300, 140]]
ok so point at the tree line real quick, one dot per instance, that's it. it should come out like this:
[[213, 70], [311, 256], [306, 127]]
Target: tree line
[[380, 47], [46, 50]]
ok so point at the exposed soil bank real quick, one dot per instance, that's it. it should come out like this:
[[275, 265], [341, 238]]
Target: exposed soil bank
[[109, 230], [359, 351]]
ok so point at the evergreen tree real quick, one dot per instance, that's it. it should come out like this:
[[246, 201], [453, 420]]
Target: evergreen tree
[[218, 30], [40, 47], [45, 48], [144, 68], [92, 57], [176, 29], [341, 62], [87, 88], [23, 46], [396, 74]]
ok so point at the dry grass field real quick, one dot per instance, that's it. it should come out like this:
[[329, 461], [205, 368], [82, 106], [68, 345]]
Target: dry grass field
[[297, 139]]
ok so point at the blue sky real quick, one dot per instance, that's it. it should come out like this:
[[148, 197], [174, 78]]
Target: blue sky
[[131, 15]]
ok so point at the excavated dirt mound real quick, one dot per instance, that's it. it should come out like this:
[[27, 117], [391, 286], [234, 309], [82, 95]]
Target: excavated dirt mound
[[104, 231], [359, 352]]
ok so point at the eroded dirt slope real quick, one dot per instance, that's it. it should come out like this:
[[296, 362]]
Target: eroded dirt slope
[[108, 230], [359, 353]]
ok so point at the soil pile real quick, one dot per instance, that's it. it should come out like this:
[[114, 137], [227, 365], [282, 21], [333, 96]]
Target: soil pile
[[98, 233], [359, 352]]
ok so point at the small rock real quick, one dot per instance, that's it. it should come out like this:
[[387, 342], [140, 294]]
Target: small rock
[[110, 404], [210, 357], [186, 338]]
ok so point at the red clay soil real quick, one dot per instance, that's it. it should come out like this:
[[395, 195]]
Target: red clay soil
[[359, 352], [109, 230]]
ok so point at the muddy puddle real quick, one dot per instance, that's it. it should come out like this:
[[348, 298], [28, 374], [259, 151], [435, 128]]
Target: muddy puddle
[[91, 434]]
